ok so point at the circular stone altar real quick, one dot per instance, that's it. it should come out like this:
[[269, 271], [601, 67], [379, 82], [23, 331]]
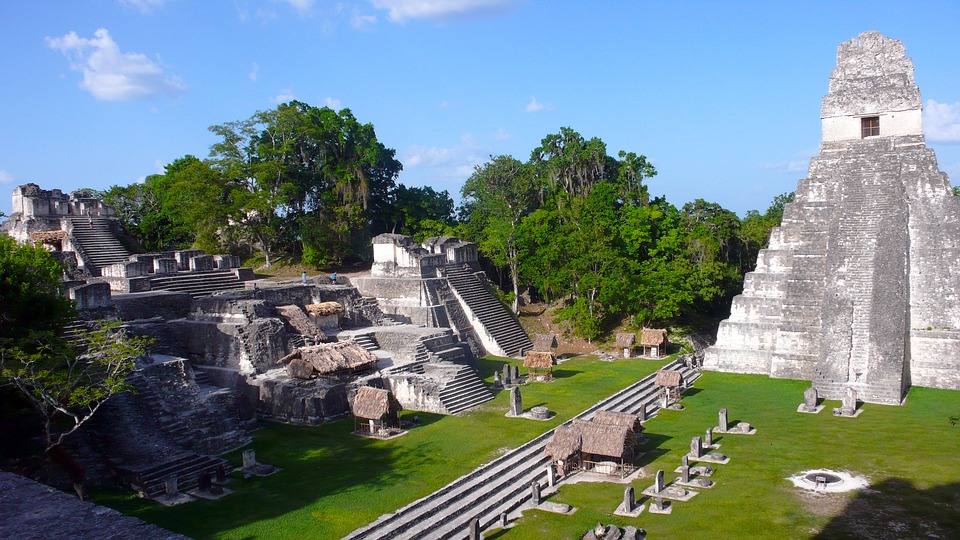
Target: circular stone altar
[[827, 481]]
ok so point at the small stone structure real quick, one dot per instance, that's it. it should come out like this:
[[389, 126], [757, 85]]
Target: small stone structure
[[540, 365], [857, 287], [625, 342], [592, 446], [810, 402], [516, 402], [376, 412], [328, 360], [653, 342]]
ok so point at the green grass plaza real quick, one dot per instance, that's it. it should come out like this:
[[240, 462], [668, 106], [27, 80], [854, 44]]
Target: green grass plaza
[[333, 482]]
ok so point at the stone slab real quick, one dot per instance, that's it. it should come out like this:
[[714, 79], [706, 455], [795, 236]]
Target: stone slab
[[802, 409], [637, 510]]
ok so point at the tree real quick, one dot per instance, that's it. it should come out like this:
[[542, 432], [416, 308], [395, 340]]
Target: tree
[[419, 212], [299, 174], [65, 384], [58, 380], [501, 192]]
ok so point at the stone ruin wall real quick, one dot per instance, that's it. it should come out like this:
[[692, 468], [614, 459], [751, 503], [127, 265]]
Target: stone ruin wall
[[855, 287]]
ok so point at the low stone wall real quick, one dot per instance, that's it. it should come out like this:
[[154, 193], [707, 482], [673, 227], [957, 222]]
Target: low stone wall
[[300, 401], [169, 305]]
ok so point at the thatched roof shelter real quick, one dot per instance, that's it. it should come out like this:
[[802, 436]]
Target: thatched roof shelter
[[613, 418], [47, 237], [297, 319], [626, 340], [373, 403], [604, 439], [565, 443], [653, 337], [324, 308], [539, 360], [544, 342], [333, 358], [669, 378]]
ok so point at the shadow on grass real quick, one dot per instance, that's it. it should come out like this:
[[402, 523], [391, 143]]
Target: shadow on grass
[[896, 508], [565, 373]]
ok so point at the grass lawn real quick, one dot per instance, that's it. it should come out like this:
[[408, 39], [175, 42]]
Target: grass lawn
[[333, 482], [908, 453]]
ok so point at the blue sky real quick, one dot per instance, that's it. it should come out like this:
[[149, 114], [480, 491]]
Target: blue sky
[[723, 97]]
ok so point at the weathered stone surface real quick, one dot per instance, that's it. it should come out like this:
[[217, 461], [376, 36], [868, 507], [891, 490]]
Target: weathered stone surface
[[856, 288], [32, 510]]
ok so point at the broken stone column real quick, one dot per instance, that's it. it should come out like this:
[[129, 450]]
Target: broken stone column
[[249, 458], [696, 447], [170, 486], [848, 404], [535, 493], [708, 438], [474, 529], [722, 425], [685, 474], [516, 401], [642, 413]]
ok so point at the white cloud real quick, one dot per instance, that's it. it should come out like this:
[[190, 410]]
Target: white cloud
[[254, 72], [534, 105], [5, 177], [300, 5], [799, 163], [941, 121], [333, 103], [284, 96], [111, 75], [402, 10], [146, 7], [361, 22], [502, 135], [461, 156]]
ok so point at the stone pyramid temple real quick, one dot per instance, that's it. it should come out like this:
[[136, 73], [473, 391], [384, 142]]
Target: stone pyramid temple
[[859, 285]]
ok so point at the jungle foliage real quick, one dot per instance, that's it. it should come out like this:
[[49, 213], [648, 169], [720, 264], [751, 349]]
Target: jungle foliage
[[571, 224]]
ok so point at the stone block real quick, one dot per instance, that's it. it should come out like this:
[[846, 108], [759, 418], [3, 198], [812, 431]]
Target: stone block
[[201, 263], [165, 266]]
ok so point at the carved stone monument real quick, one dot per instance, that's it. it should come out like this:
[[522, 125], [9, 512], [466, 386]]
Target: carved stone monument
[[708, 438], [809, 404], [535, 493], [858, 287], [722, 421], [516, 402], [696, 447]]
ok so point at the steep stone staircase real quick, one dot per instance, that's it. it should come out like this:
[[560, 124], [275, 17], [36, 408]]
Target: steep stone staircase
[[465, 391], [501, 485], [187, 467], [98, 242], [495, 318], [198, 284]]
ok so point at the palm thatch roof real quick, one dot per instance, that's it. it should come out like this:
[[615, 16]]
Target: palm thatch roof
[[613, 418], [539, 359], [332, 358], [373, 403], [604, 439], [669, 378], [324, 308], [626, 340], [544, 342], [47, 237], [653, 337], [565, 443], [296, 318]]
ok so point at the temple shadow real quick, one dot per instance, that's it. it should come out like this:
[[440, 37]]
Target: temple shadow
[[896, 508]]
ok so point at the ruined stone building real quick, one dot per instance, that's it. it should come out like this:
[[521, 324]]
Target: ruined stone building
[[229, 349], [858, 286]]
